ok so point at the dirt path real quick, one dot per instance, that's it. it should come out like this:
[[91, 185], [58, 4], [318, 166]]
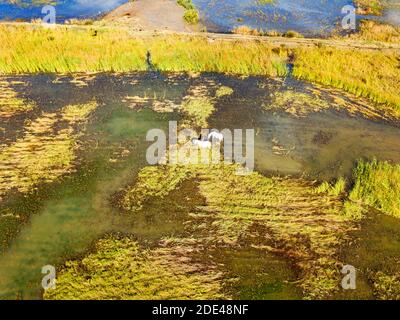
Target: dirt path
[[151, 15], [283, 41], [275, 41]]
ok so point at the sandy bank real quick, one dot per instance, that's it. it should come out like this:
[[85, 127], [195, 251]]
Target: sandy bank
[[151, 15]]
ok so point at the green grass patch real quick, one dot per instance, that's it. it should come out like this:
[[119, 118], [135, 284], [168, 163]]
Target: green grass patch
[[191, 15], [371, 74], [64, 50], [223, 91], [377, 184]]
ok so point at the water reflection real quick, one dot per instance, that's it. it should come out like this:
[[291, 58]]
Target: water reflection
[[66, 9]]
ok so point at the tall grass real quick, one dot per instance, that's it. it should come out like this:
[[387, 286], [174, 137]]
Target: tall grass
[[378, 184], [371, 74], [34, 50], [181, 53], [63, 50], [374, 31]]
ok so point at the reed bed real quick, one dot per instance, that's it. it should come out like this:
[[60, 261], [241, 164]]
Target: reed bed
[[377, 184], [63, 50], [371, 74]]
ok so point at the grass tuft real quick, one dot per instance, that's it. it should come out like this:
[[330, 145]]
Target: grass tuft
[[377, 184]]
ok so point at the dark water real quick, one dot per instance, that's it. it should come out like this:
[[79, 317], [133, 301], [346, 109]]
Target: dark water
[[65, 9], [310, 17], [64, 218], [306, 16]]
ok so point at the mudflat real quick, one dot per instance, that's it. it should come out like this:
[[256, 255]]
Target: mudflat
[[151, 15]]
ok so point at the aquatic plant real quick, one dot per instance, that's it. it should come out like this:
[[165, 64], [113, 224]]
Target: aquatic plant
[[10, 103], [43, 154], [386, 287], [120, 268], [366, 73], [245, 30], [197, 110], [336, 189], [154, 182], [293, 34], [197, 54], [223, 91], [287, 208], [297, 103]]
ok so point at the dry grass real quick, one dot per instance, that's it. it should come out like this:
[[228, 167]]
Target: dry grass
[[373, 7], [374, 31]]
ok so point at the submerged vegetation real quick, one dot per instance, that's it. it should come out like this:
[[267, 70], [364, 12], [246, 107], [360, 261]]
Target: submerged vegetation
[[367, 73], [191, 231], [297, 103], [281, 216], [45, 152], [214, 208], [10, 103], [121, 269]]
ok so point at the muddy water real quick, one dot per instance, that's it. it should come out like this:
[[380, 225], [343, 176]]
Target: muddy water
[[63, 219]]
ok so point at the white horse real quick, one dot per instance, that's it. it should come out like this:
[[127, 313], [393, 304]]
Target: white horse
[[215, 136], [202, 144]]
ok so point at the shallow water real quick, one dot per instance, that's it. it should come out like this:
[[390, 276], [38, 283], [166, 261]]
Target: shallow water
[[375, 249], [64, 218], [310, 17], [65, 9]]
